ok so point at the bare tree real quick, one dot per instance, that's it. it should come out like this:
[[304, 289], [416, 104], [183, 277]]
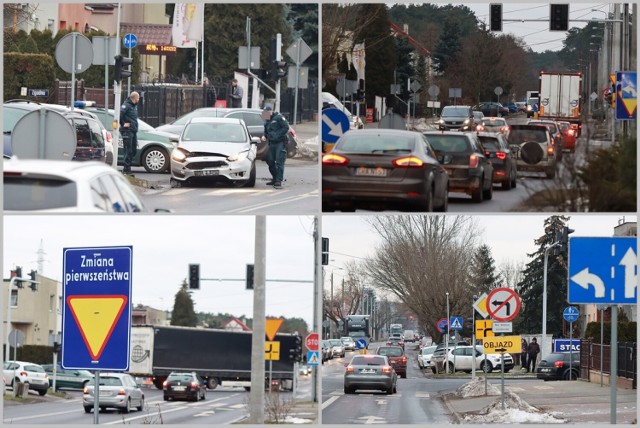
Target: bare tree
[[511, 272], [421, 258], [346, 297]]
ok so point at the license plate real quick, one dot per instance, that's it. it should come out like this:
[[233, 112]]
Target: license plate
[[207, 172], [180, 388], [371, 172], [545, 370], [366, 371]]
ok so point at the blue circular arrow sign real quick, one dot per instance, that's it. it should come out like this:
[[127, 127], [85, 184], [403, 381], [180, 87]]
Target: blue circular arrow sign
[[334, 124], [130, 41], [571, 314]]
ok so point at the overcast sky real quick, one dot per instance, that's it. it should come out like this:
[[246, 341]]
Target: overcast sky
[[537, 34], [510, 237], [164, 246]]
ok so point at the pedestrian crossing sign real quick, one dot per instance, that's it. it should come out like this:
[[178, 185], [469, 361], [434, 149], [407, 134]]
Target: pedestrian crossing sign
[[456, 323], [312, 358]]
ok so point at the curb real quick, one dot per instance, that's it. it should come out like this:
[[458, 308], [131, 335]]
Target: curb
[[452, 412]]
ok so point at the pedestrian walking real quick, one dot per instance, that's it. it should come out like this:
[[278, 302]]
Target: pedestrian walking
[[129, 129], [532, 350], [523, 353], [276, 129], [236, 94]]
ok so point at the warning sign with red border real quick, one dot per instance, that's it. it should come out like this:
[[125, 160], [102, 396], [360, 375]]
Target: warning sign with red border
[[503, 304]]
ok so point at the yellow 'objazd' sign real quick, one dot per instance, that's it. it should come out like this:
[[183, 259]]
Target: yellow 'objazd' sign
[[496, 344]]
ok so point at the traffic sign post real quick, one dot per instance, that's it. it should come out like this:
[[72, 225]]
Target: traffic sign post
[[570, 314], [441, 324], [312, 342]]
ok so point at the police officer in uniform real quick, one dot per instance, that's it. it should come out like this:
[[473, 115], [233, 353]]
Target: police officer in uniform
[[276, 129], [129, 129]]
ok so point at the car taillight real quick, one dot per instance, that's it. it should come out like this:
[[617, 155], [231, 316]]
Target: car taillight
[[165, 385], [571, 132], [349, 369], [109, 136], [333, 159], [85, 390], [473, 161], [122, 392], [501, 155], [386, 369], [559, 364], [504, 129], [480, 128], [194, 384], [550, 151], [408, 162], [404, 360]]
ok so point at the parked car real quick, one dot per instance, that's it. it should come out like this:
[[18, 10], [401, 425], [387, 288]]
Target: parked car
[[214, 149], [395, 341], [25, 372], [383, 168], [424, 356], [521, 106], [457, 118], [569, 135], [469, 168], [513, 108], [154, 147], [117, 390], [92, 138], [337, 348], [348, 343], [505, 169], [187, 385], [557, 366], [556, 134], [68, 378], [493, 124], [63, 186], [397, 358], [370, 372], [460, 358], [251, 117], [533, 149], [327, 351]]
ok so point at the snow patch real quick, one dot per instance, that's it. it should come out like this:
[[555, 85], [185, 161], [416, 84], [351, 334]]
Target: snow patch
[[515, 410], [475, 388], [292, 420]]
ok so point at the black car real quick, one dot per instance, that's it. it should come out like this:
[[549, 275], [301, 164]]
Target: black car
[[188, 385], [504, 163], [383, 168], [467, 164], [559, 366], [492, 109]]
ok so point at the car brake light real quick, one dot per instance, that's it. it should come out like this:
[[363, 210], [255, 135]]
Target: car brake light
[[349, 369], [194, 384], [480, 128], [85, 390], [571, 132], [558, 364], [501, 155], [122, 392], [550, 150], [333, 159], [408, 162], [504, 129], [386, 369], [404, 360], [473, 161]]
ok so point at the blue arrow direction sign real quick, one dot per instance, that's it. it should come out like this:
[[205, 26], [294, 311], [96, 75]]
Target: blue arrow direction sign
[[334, 124], [456, 323], [603, 270], [312, 358], [96, 320], [571, 314], [361, 343], [130, 41]]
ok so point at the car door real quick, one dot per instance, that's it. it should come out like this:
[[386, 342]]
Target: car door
[[479, 150]]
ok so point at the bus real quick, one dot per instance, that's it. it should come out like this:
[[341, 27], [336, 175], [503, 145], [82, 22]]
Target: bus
[[395, 329], [357, 327]]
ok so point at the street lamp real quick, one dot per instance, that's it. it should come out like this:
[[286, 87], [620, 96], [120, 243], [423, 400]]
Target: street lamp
[[446, 339]]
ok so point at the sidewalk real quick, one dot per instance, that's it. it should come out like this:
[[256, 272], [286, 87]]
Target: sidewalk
[[577, 402]]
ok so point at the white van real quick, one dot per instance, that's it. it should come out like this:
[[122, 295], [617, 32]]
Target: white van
[[409, 336], [354, 121]]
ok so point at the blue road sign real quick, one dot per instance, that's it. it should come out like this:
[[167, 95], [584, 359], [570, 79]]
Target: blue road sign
[[603, 270], [626, 95], [130, 41], [571, 314], [334, 124], [96, 320], [456, 323], [441, 324], [313, 358], [566, 345], [361, 343]]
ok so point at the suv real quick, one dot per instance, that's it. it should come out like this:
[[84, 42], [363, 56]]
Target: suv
[[533, 149], [458, 118], [504, 163], [559, 366], [22, 371], [397, 358], [463, 156], [461, 359], [556, 134], [68, 378]]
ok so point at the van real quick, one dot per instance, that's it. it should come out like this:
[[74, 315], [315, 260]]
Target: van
[[409, 336], [329, 99]]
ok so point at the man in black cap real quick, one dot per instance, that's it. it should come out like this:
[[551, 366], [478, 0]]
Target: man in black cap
[[276, 129]]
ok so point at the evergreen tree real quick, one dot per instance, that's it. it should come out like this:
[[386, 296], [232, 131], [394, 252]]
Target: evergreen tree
[[530, 288], [29, 46], [302, 18], [183, 313], [448, 46], [405, 66], [483, 277]]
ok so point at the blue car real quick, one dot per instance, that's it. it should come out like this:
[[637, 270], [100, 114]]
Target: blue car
[[512, 108]]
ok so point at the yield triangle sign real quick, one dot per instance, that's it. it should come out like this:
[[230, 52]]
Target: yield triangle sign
[[96, 317], [272, 326]]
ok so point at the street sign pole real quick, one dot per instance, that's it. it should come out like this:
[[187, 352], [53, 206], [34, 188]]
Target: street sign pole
[[570, 349], [613, 379], [473, 342], [129, 78], [96, 395]]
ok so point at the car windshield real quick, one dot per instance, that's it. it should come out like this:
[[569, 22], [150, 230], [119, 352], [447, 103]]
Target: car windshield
[[520, 136], [180, 377], [352, 142], [449, 143], [196, 113], [495, 122], [33, 193], [390, 352], [368, 361], [489, 143], [335, 342], [11, 116], [455, 112], [215, 132], [110, 381]]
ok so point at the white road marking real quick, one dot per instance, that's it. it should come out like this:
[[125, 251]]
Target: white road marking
[[329, 402], [422, 395], [273, 203]]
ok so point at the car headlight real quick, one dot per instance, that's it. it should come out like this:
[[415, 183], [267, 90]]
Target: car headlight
[[179, 154], [441, 121], [467, 121], [238, 156]]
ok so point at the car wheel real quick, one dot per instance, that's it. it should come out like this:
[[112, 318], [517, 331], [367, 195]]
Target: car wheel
[[488, 194], [347, 390], [252, 177], [404, 375], [486, 367], [506, 184], [141, 406], [450, 369], [175, 184], [389, 390], [573, 374], [127, 407], [395, 389], [212, 383], [87, 409], [445, 202], [42, 392], [514, 181], [204, 394], [433, 369], [155, 160], [477, 194], [165, 398]]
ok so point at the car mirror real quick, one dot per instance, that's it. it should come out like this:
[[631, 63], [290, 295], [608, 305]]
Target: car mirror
[[174, 139], [255, 140]]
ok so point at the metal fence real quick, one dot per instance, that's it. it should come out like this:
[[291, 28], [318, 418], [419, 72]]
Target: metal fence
[[627, 359]]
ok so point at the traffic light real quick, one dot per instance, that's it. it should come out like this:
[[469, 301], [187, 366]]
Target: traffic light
[[19, 283], [325, 251], [56, 347], [562, 238], [194, 277], [280, 69], [249, 277], [495, 17], [34, 284], [120, 72], [295, 353], [559, 17], [359, 95]]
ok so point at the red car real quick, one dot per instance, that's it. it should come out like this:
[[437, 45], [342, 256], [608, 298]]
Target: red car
[[397, 358], [569, 134], [395, 341]]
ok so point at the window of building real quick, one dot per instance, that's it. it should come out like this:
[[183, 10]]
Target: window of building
[[14, 298]]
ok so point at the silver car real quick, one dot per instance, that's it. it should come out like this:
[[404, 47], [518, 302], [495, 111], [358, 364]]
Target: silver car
[[216, 150], [118, 390]]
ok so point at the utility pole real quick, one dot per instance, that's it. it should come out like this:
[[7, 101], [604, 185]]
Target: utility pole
[[317, 308], [256, 397]]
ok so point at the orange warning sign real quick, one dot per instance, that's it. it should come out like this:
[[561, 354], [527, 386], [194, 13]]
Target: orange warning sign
[[272, 326], [96, 316]]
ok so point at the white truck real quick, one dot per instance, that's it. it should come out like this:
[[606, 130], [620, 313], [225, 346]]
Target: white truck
[[409, 336], [560, 97]]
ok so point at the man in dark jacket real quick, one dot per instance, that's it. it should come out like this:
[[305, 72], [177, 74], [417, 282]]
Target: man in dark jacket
[[533, 350], [129, 129], [276, 129]]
